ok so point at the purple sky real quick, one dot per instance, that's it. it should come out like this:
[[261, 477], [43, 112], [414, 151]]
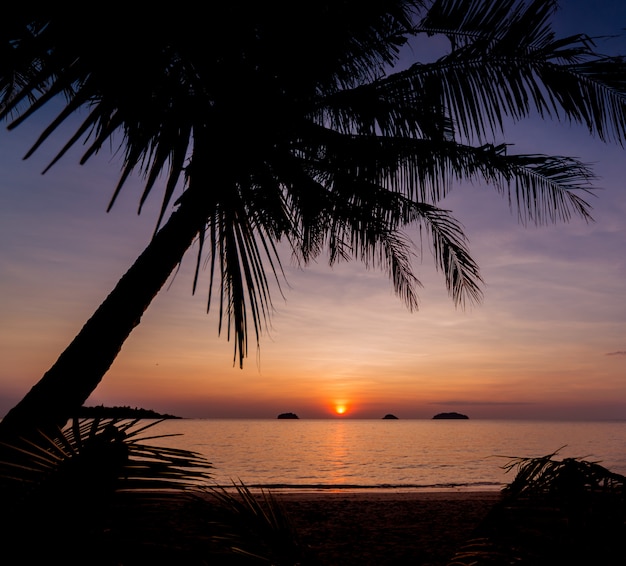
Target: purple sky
[[549, 340]]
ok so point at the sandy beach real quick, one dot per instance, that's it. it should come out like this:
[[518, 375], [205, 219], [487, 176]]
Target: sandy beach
[[364, 528], [386, 527]]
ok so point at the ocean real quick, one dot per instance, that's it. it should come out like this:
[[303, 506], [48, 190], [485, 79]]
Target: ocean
[[351, 454]]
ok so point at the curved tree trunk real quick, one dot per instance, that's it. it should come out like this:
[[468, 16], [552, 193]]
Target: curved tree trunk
[[68, 383]]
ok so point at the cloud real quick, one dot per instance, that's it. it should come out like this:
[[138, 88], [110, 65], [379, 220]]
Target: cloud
[[482, 403], [618, 353]]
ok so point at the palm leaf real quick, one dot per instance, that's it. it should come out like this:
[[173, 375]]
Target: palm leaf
[[256, 526], [505, 60], [113, 447], [547, 476], [320, 130]]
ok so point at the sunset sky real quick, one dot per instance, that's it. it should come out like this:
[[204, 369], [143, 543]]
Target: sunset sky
[[548, 341]]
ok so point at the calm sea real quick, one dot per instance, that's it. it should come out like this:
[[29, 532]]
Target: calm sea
[[386, 454]]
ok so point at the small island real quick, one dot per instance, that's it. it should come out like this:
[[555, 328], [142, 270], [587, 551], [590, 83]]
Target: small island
[[450, 416], [389, 416], [103, 412], [287, 416]]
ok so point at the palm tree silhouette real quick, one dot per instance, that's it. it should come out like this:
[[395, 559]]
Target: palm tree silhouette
[[291, 122]]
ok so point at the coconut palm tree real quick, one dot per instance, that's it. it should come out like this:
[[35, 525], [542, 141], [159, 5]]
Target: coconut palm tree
[[292, 123]]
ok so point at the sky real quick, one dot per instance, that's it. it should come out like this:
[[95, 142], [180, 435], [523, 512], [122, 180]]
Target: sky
[[548, 341]]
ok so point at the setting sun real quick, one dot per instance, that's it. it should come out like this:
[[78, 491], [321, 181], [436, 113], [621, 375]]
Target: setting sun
[[340, 409]]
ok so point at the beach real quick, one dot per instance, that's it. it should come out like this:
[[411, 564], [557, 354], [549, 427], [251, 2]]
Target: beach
[[364, 527], [421, 528], [341, 528]]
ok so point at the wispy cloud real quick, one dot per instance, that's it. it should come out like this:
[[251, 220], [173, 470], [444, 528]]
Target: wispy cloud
[[482, 403], [618, 353]]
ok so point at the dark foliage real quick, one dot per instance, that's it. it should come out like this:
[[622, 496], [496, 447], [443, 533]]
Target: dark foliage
[[569, 511]]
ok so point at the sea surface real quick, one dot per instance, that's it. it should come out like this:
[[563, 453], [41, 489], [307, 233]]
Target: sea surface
[[350, 454]]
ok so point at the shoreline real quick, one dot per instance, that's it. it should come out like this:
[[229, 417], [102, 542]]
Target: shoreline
[[387, 494], [363, 490]]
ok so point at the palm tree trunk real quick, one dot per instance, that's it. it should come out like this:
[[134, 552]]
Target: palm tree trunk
[[68, 383]]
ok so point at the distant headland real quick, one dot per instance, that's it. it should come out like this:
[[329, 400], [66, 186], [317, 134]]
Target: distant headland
[[450, 416], [287, 416], [389, 416], [103, 412]]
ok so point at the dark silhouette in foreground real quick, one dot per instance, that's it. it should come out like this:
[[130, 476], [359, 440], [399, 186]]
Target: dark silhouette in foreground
[[568, 511]]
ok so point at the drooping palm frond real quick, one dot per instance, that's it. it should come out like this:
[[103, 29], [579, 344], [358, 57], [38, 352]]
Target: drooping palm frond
[[566, 478], [540, 189], [74, 488], [94, 456], [517, 23], [370, 189], [462, 275], [267, 144], [243, 254], [506, 61], [187, 64], [569, 511], [359, 233], [256, 526]]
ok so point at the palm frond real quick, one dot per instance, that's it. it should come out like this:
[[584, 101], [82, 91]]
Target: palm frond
[[94, 454], [505, 61], [320, 130], [548, 476], [568, 511], [521, 23], [69, 492], [242, 255], [462, 274], [375, 187], [256, 526]]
